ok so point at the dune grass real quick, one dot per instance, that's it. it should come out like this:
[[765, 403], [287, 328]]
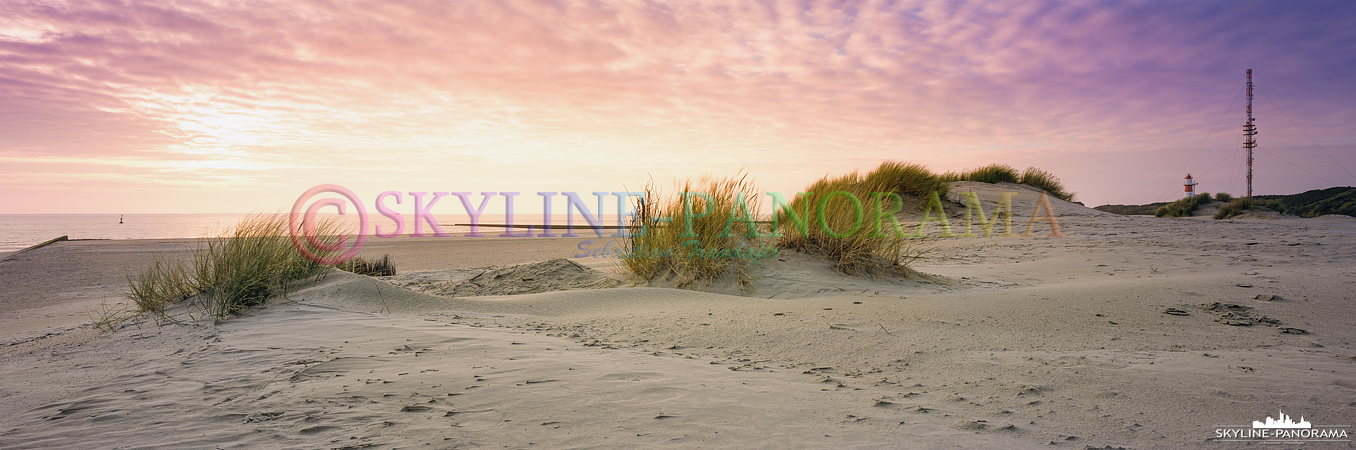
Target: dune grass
[[113, 318], [685, 236], [229, 274], [1183, 207], [850, 220], [1047, 182], [1234, 208], [376, 268], [164, 283], [992, 173], [257, 261], [1003, 173], [907, 179], [1274, 205], [1223, 197]]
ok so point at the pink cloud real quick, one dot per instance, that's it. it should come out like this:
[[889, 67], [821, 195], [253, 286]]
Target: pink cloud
[[789, 90]]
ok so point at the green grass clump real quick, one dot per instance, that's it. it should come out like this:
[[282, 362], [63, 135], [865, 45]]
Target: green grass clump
[[1275, 205], [1183, 207], [376, 268], [1234, 208], [1223, 197], [829, 223], [1238, 205], [229, 274], [685, 236]]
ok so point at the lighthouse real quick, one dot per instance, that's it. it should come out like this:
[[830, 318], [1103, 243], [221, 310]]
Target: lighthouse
[[1189, 186]]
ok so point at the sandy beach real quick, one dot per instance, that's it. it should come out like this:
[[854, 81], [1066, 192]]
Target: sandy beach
[[1130, 332]]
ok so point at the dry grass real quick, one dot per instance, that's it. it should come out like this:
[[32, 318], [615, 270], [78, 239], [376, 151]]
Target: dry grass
[[1002, 173], [1047, 182], [992, 173], [257, 261], [227, 275], [160, 285], [907, 179], [850, 220], [376, 268], [114, 318], [686, 235]]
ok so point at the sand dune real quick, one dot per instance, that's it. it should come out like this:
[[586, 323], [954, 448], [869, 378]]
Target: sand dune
[[1131, 332]]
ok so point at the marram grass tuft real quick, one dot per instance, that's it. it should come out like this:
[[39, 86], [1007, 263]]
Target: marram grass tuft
[[685, 236], [243, 268]]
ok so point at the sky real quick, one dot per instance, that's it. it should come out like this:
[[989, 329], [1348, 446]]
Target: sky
[[224, 106]]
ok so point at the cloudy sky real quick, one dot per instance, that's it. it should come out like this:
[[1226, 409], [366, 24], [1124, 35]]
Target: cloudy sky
[[225, 106]]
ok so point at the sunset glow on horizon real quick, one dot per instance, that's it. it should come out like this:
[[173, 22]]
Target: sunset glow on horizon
[[222, 106]]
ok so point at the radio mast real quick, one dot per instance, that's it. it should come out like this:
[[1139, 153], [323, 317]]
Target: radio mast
[[1249, 133]]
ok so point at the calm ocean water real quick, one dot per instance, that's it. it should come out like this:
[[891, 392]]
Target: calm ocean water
[[22, 230]]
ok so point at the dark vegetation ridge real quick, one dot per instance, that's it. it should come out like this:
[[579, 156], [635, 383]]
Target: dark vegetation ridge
[[1318, 202], [1314, 203]]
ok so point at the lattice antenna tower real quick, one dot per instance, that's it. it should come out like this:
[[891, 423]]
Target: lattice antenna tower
[[1250, 134]]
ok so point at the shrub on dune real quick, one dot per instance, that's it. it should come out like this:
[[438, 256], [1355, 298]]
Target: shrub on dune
[[1183, 207], [1234, 208], [1276, 205]]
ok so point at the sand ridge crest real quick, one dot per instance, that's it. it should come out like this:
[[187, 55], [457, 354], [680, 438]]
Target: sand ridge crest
[[531, 278]]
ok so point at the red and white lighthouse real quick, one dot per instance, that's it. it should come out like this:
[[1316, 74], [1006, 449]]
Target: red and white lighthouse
[[1189, 186]]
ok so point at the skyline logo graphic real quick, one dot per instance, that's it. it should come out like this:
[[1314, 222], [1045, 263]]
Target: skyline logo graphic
[[1282, 429], [1283, 422]]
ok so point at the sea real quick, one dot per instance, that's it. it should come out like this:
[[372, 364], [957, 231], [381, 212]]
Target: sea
[[19, 231]]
